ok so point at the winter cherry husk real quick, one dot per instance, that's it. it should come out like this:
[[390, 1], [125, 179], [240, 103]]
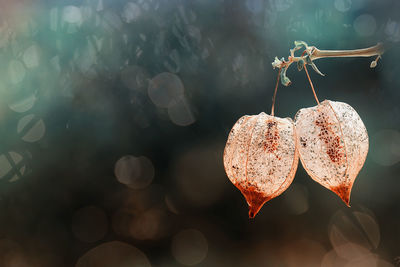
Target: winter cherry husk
[[333, 144], [261, 157]]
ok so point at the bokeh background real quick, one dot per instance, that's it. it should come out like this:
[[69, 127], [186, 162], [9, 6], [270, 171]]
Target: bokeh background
[[114, 116]]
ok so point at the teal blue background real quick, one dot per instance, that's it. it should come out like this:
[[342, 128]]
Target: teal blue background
[[79, 83]]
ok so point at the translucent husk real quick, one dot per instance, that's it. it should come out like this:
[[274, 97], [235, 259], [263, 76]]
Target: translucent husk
[[261, 158], [333, 145]]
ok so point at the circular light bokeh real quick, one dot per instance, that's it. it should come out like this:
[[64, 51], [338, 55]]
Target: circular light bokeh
[[31, 128], [135, 172], [342, 5], [189, 247], [24, 104], [165, 89], [365, 25], [353, 235], [113, 254], [180, 113], [11, 166], [149, 225]]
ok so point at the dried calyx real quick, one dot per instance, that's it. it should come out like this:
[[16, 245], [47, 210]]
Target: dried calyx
[[261, 157], [333, 145]]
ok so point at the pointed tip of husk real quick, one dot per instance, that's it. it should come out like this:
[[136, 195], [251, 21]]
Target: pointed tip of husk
[[346, 199], [343, 191], [253, 210], [255, 207], [255, 200]]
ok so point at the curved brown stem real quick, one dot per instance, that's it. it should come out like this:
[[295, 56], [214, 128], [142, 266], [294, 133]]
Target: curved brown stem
[[276, 89], [312, 86]]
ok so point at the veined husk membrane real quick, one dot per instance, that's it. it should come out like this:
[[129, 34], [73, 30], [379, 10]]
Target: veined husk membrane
[[333, 145], [261, 157]]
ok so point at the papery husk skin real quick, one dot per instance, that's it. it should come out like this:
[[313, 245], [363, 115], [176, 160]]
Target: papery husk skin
[[333, 145], [261, 157]]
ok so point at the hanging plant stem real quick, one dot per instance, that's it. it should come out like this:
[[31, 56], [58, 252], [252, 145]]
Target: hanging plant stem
[[312, 53], [276, 89], [312, 86]]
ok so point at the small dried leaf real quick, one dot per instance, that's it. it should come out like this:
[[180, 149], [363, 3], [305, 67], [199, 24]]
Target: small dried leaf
[[300, 65], [277, 62], [284, 79], [261, 158], [299, 44], [333, 145], [316, 69]]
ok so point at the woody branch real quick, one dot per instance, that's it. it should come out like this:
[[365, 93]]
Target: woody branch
[[312, 53]]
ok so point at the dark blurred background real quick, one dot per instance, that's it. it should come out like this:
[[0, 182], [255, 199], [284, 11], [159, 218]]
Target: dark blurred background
[[114, 116]]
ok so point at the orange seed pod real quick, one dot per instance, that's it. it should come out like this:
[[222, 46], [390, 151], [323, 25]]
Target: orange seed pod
[[333, 145], [261, 157]]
